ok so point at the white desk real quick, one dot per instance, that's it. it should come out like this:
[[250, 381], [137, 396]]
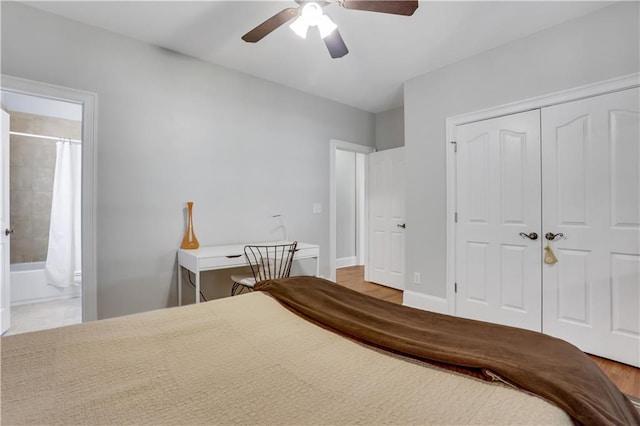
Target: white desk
[[230, 256]]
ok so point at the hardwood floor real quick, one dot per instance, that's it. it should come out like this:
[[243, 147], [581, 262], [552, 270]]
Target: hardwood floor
[[627, 378], [353, 278]]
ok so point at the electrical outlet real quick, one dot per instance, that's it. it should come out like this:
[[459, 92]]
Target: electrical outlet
[[317, 208], [416, 278]]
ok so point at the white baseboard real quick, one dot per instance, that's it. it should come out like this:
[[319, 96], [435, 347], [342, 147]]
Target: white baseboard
[[346, 261], [426, 302]]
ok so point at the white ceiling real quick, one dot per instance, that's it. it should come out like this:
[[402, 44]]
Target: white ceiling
[[385, 50]]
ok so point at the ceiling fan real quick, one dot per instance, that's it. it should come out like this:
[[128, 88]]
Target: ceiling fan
[[309, 14]]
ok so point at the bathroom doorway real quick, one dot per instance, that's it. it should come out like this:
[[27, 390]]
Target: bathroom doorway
[[65, 282], [45, 158]]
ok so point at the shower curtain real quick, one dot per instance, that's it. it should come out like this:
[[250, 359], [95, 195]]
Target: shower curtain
[[64, 252]]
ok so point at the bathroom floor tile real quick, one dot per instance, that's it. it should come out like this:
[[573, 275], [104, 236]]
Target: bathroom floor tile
[[45, 315]]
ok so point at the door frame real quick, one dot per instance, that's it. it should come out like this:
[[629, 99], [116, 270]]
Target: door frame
[[336, 145], [89, 101], [594, 89]]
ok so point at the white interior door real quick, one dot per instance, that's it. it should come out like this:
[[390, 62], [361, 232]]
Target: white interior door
[[591, 187], [5, 296], [386, 218], [498, 275]]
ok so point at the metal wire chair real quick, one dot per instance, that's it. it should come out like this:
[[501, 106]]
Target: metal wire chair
[[266, 262]]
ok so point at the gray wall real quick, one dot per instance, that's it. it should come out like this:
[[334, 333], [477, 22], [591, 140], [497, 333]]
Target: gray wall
[[596, 47], [171, 129], [390, 129], [345, 204]]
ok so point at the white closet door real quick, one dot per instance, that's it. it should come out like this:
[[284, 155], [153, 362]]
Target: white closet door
[[386, 218], [591, 187], [498, 197]]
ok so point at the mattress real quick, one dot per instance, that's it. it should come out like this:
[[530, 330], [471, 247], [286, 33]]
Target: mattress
[[239, 360]]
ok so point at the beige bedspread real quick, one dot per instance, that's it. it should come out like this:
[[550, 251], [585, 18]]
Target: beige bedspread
[[548, 367], [240, 360]]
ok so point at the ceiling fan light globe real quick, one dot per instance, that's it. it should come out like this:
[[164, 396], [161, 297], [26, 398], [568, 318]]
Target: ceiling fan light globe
[[326, 26], [300, 27], [312, 14]]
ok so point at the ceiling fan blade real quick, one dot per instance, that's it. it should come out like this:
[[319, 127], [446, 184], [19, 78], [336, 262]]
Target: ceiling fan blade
[[262, 30], [335, 44], [396, 7]]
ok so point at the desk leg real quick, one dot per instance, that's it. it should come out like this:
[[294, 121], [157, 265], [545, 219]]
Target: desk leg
[[318, 266], [179, 285], [197, 274]]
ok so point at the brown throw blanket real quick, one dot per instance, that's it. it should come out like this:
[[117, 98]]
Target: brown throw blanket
[[534, 362]]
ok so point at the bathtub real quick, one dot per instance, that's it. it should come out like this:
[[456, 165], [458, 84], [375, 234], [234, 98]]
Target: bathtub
[[28, 285]]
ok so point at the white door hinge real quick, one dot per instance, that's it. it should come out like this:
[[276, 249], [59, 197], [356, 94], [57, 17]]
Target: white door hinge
[[455, 287], [455, 146], [455, 217]]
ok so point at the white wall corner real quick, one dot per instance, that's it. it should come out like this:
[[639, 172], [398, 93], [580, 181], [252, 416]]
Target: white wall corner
[[425, 302]]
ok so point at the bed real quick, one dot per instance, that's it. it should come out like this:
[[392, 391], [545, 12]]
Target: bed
[[300, 351]]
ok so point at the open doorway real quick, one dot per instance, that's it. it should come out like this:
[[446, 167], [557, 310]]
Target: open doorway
[[48, 262], [45, 274], [348, 205], [350, 195]]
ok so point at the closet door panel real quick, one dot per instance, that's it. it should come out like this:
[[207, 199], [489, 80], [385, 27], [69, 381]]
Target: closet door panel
[[498, 197], [591, 194], [512, 282], [626, 295], [572, 153], [625, 183], [573, 297]]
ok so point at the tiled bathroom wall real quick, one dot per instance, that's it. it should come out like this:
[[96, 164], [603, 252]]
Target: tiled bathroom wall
[[32, 163]]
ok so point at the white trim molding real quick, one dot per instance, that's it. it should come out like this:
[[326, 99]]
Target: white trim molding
[[426, 302], [587, 91], [595, 89], [89, 102], [344, 262], [336, 145]]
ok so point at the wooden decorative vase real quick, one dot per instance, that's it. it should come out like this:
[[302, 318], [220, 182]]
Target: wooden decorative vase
[[190, 242]]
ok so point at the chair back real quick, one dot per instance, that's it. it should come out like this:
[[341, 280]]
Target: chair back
[[270, 261]]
